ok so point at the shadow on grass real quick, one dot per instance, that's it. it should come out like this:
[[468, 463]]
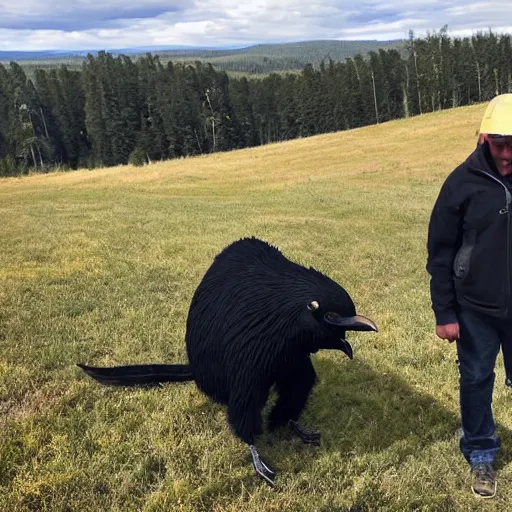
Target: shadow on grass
[[365, 416], [362, 413], [360, 410], [367, 410]]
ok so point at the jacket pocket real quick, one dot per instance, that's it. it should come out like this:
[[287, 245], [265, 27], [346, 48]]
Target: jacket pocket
[[462, 260]]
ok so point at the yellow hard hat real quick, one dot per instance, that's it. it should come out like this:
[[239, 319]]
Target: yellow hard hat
[[498, 116]]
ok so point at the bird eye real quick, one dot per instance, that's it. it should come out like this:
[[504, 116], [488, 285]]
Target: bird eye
[[313, 306]]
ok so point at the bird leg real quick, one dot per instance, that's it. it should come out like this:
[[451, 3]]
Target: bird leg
[[262, 469], [308, 436]]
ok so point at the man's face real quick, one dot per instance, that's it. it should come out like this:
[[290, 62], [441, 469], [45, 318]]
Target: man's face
[[501, 151]]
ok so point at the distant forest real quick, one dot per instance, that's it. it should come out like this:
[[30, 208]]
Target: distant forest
[[118, 110], [256, 59]]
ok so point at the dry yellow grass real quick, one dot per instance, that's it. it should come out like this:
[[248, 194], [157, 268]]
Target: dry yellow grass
[[100, 266], [398, 146]]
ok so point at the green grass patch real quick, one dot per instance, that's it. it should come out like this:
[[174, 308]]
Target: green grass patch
[[100, 267]]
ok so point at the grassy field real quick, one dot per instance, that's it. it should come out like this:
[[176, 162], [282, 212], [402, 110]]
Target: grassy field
[[100, 266]]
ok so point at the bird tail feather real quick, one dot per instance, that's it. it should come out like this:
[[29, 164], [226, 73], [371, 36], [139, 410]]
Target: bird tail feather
[[139, 375]]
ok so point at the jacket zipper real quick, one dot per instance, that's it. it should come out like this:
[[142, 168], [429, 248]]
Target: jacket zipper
[[503, 211]]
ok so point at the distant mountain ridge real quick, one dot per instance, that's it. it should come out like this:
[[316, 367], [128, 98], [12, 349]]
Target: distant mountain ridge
[[303, 52]]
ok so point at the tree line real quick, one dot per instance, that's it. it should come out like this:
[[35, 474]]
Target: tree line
[[116, 110], [266, 58]]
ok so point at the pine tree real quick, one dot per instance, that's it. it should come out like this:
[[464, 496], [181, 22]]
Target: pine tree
[[266, 113], [71, 116], [287, 102], [5, 101], [152, 139], [240, 93], [310, 108], [94, 113], [415, 100], [394, 83], [504, 63], [356, 108]]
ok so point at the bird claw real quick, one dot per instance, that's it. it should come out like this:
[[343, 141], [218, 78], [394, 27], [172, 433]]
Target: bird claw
[[261, 468], [307, 436]]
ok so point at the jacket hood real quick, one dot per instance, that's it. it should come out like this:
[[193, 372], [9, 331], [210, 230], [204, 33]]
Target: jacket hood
[[482, 160]]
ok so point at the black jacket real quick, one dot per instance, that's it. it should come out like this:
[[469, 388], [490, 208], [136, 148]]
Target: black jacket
[[469, 237]]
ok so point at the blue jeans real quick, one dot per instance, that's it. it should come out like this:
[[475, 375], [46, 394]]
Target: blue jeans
[[480, 339], [507, 359]]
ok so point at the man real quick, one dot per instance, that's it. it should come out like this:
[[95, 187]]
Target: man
[[470, 264]]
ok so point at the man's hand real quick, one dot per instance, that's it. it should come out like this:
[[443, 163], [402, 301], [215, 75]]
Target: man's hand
[[448, 332]]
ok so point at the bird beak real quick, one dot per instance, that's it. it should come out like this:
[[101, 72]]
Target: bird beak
[[345, 347], [352, 323]]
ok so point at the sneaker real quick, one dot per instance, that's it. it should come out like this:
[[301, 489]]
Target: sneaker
[[483, 480]]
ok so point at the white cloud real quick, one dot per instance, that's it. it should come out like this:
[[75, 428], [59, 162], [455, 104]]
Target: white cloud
[[87, 24]]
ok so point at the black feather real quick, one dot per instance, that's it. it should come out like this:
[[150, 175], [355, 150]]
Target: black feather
[[139, 375], [249, 328]]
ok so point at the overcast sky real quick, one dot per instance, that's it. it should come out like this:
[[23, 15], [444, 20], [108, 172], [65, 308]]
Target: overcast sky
[[109, 24]]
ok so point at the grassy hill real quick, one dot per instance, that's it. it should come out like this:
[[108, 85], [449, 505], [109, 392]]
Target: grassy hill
[[100, 267], [255, 59]]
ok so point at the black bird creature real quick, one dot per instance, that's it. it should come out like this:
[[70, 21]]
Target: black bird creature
[[254, 320]]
